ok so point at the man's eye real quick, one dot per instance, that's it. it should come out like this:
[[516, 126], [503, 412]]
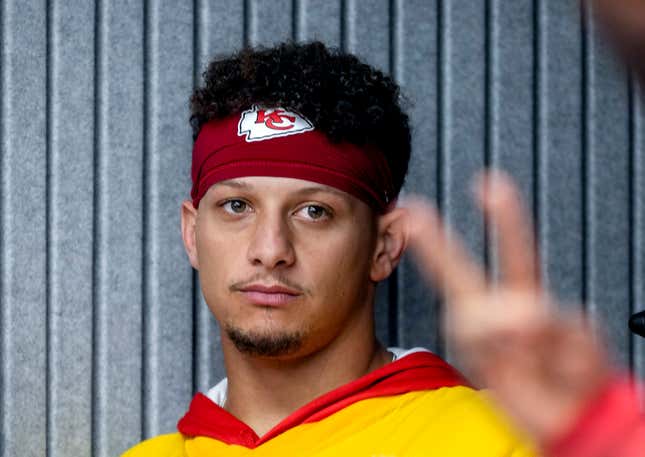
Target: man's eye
[[235, 206], [315, 212]]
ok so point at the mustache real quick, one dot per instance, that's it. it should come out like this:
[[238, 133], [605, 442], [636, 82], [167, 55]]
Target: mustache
[[272, 279]]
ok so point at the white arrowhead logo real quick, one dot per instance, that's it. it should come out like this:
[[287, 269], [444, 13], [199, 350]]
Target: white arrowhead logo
[[259, 124]]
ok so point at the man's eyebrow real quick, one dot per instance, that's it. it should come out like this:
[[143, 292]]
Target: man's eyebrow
[[316, 189], [304, 191], [234, 183]]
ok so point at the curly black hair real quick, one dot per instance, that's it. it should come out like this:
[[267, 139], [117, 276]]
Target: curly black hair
[[346, 99]]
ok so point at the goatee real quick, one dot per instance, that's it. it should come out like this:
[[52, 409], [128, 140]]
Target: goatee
[[264, 345]]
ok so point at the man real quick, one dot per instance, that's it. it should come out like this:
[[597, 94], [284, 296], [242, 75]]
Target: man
[[299, 156]]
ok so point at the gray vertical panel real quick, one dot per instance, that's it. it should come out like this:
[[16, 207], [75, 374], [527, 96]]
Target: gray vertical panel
[[4, 248], [511, 95], [559, 148], [608, 177], [511, 98], [209, 363], [220, 31], [368, 36], [367, 31], [464, 114], [168, 310], [638, 226], [270, 21], [415, 68], [463, 122], [319, 20], [23, 301], [119, 198], [71, 227]]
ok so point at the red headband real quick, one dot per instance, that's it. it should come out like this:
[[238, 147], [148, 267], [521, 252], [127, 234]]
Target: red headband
[[280, 143]]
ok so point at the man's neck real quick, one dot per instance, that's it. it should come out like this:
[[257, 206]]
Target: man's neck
[[262, 392]]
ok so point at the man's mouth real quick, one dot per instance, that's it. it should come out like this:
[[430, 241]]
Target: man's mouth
[[269, 295]]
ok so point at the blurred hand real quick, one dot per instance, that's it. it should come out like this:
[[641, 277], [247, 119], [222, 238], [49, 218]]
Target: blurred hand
[[624, 23], [541, 365], [626, 15]]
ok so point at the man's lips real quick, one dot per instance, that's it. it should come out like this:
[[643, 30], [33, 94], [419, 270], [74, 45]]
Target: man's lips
[[274, 295]]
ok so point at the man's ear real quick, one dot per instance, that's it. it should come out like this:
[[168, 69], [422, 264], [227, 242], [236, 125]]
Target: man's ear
[[188, 227], [391, 241]]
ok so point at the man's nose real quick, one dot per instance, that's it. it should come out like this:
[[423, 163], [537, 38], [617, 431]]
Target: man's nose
[[271, 244]]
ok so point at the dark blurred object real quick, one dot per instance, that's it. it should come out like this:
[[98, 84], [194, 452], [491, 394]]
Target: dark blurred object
[[637, 323], [624, 23]]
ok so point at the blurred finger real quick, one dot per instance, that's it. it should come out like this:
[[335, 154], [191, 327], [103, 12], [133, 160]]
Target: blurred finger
[[441, 255], [502, 205]]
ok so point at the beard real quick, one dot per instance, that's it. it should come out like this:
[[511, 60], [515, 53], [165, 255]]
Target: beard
[[264, 344]]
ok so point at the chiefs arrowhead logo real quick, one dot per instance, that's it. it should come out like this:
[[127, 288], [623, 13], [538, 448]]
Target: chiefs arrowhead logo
[[260, 124]]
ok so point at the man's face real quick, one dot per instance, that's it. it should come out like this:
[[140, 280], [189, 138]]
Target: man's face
[[284, 263]]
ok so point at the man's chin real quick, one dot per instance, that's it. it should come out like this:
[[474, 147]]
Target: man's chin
[[258, 344]]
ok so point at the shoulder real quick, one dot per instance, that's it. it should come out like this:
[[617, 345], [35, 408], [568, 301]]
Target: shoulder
[[448, 421], [466, 419], [460, 405], [170, 445]]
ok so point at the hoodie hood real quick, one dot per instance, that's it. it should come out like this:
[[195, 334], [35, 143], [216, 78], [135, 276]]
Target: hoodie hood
[[414, 372]]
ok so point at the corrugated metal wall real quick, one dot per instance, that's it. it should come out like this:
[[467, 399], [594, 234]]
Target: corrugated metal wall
[[104, 337]]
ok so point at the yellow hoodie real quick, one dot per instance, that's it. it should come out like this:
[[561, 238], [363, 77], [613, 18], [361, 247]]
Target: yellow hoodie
[[415, 406]]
